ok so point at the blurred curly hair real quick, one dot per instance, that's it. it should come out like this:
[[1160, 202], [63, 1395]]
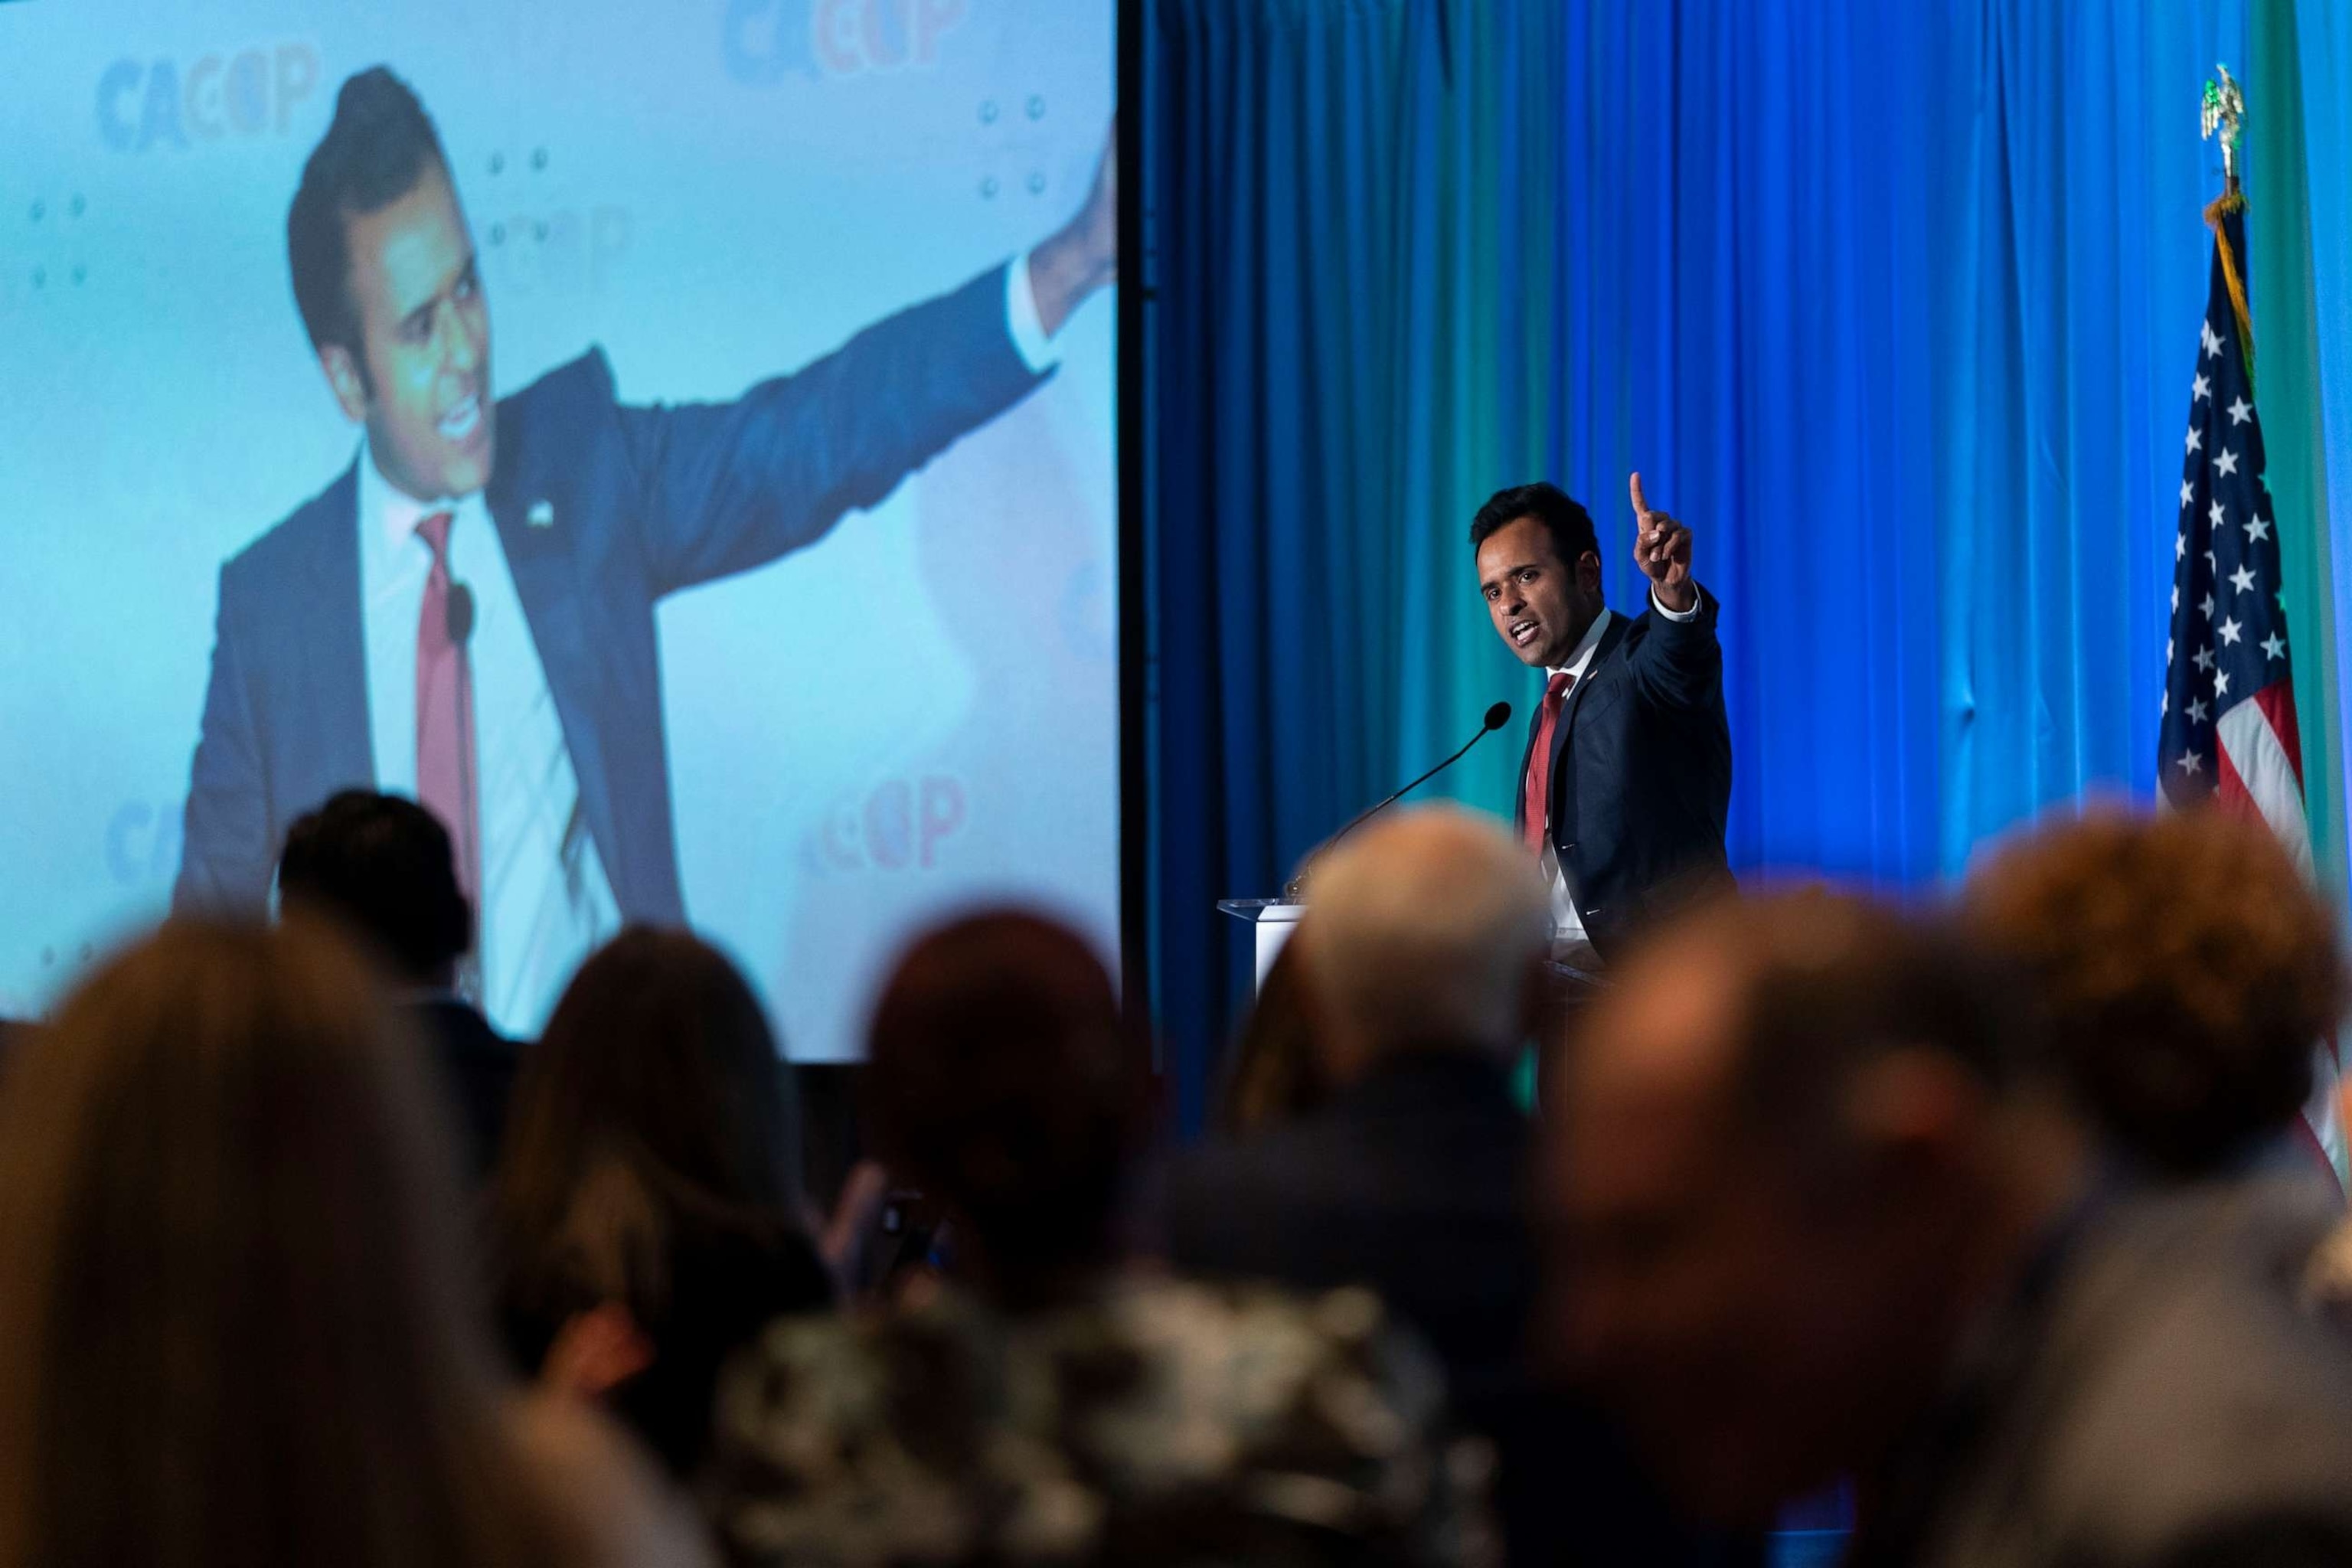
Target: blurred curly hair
[[2186, 969]]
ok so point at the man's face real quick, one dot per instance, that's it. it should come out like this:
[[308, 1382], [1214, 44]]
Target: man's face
[[1540, 604], [1692, 1284], [425, 344]]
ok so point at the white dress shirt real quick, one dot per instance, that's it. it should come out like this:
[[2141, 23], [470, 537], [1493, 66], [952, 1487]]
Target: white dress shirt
[[545, 903], [1566, 925]]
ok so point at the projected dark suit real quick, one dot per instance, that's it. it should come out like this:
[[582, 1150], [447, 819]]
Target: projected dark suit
[[601, 510]]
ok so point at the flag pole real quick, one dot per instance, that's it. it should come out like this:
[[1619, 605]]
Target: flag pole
[[2224, 116]]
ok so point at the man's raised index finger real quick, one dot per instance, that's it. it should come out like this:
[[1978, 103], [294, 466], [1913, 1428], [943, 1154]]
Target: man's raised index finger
[[1633, 487]]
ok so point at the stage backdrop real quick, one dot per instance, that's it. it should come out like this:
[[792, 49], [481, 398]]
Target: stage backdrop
[[1895, 305], [914, 713]]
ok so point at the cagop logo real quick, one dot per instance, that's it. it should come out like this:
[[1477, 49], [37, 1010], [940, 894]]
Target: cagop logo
[[250, 93], [765, 40]]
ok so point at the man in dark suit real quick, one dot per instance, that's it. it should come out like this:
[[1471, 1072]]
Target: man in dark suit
[[1825, 1216], [380, 867], [1423, 950], [467, 613], [1627, 777]]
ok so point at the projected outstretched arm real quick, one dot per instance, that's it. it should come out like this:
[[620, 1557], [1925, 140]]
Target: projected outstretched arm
[[728, 486]]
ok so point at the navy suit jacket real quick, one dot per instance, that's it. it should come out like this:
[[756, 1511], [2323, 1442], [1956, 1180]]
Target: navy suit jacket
[[1641, 774], [630, 503]]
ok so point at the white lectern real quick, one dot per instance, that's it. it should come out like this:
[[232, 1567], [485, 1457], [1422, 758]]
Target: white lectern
[[1271, 921]]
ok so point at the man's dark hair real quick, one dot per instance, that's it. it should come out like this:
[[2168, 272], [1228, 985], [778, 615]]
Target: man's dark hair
[[1562, 515], [1827, 983], [377, 148], [383, 867], [2186, 967], [1002, 1080], [1839, 980]]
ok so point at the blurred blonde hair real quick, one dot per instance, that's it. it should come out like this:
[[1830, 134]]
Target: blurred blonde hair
[[1425, 930]]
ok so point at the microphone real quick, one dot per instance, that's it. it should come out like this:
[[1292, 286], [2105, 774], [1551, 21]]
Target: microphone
[[459, 611], [1497, 716]]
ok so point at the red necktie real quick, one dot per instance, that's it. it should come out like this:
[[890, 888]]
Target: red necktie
[[1536, 806], [447, 779]]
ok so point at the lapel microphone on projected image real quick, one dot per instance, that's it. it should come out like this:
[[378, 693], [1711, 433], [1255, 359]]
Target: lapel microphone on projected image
[[1497, 716]]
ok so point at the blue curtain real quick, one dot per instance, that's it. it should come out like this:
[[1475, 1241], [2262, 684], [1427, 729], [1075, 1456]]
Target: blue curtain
[[1895, 305]]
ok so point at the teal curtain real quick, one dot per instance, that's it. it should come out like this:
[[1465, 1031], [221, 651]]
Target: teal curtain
[[1897, 306]]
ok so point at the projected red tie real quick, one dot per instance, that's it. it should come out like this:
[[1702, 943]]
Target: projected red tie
[[1537, 805], [446, 772]]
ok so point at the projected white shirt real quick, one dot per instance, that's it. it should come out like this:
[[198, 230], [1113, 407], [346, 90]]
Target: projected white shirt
[[1566, 925], [545, 903]]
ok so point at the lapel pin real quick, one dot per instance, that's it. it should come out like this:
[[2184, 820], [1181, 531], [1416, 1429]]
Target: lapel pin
[[542, 514]]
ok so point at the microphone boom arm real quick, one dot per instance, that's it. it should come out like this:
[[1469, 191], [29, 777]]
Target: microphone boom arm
[[1290, 890]]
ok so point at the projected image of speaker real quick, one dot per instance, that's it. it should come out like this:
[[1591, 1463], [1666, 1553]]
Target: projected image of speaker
[[724, 590]]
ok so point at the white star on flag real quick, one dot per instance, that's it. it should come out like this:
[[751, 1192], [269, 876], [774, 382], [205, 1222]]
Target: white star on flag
[[2197, 711], [2213, 340], [2176, 606], [2204, 389], [2188, 762], [2205, 608], [2196, 438], [2240, 409], [2179, 549], [2243, 579], [2187, 489], [2227, 463], [2257, 528], [2220, 683], [2216, 514], [2274, 645], [2204, 659], [2229, 629]]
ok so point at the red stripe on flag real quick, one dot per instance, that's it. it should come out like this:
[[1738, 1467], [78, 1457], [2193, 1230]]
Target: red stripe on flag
[[2229, 789], [2277, 703]]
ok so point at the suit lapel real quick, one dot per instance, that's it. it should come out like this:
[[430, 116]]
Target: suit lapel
[[1598, 670], [542, 569], [545, 567], [330, 633]]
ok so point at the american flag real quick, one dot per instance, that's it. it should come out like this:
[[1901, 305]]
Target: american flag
[[2229, 733]]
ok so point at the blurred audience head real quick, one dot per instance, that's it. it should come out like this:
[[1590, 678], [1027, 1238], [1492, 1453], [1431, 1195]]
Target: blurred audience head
[[651, 1174], [2187, 968], [1428, 928], [236, 1329], [1276, 1074], [382, 866], [1789, 1163], [1002, 1081]]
